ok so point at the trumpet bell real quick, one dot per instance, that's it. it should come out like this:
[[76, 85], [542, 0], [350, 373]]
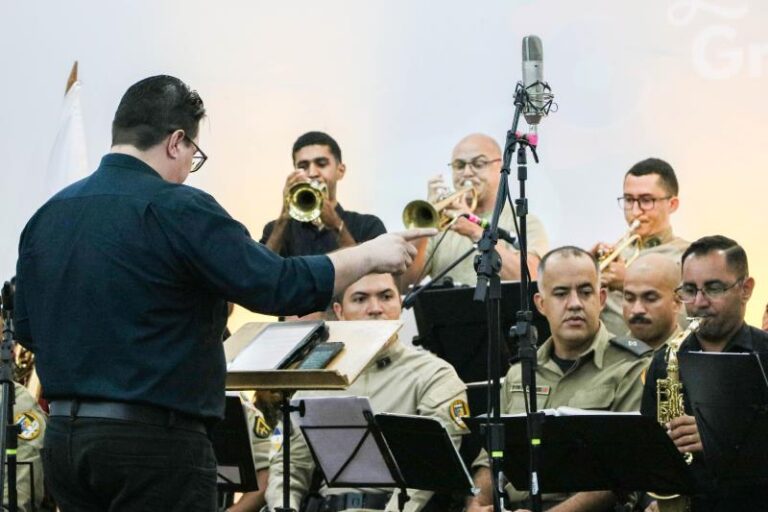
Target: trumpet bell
[[420, 214], [305, 201], [423, 214]]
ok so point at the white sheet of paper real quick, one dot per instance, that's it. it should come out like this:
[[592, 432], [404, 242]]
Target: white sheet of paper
[[270, 347]]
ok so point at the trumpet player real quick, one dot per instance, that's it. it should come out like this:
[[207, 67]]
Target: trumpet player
[[476, 161], [716, 287], [317, 161], [650, 196]]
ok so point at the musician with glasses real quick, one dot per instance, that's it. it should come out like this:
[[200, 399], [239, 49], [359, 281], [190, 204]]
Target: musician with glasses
[[317, 158], [716, 287], [476, 160], [122, 286], [650, 197]]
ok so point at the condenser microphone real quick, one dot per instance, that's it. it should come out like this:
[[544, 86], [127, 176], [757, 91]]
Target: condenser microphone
[[533, 81]]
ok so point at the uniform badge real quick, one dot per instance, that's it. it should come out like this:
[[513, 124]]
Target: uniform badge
[[29, 425], [261, 429], [459, 408]]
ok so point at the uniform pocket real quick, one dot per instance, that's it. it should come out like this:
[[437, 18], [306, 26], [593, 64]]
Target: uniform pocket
[[597, 398]]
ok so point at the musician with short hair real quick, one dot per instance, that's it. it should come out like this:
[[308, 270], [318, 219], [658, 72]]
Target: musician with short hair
[[317, 159], [401, 379], [651, 306], [122, 286], [650, 196], [716, 287], [476, 161], [581, 365]]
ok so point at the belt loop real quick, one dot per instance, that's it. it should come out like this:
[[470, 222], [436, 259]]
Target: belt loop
[[74, 406]]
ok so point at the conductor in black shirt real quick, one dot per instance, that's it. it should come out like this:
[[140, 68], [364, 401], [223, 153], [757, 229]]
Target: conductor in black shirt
[[122, 286], [317, 159]]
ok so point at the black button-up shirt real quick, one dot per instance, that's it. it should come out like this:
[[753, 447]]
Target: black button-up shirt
[[304, 238], [711, 498], [122, 283]]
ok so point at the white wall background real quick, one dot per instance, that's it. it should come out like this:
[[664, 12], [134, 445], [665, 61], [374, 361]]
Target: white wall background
[[398, 83]]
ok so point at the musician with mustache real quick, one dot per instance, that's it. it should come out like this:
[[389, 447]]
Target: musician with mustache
[[651, 307], [716, 287], [581, 365]]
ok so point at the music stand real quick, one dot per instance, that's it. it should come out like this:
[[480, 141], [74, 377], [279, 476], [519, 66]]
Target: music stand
[[728, 393], [455, 328], [355, 448], [591, 452], [247, 348], [231, 439]]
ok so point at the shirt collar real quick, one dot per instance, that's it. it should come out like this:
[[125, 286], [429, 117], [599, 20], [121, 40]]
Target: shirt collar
[[740, 342], [125, 161], [663, 237], [596, 349]]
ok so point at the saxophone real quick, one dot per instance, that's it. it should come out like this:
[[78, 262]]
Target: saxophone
[[669, 405]]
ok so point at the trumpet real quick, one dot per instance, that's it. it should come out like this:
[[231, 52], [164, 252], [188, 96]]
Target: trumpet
[[423, 214], [628, 239], [305, 200]]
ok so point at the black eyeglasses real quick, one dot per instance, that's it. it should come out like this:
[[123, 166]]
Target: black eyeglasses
[[199, 158], [478, 163], [644, 202], [713, 290]]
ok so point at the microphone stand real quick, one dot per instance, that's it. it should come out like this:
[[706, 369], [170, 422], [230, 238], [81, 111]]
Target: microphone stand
[[488, 290], [8, 430]]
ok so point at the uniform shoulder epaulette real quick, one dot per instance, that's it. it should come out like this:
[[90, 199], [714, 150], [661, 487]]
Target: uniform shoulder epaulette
[[637, 347]]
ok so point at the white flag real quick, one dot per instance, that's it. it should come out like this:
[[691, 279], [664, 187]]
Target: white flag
[[69, 159]]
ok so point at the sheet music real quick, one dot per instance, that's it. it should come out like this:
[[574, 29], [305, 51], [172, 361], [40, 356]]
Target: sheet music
[[271, 346]]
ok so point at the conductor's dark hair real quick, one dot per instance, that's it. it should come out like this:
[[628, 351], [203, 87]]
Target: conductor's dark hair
[[735, 255], [317, 138], [153, 108], [666, 173]]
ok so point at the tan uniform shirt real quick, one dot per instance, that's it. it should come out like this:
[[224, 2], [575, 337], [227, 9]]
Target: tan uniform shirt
[[454, 245], [606, 376], [262, 435], [666, 243], [412, 382], [32, 419]]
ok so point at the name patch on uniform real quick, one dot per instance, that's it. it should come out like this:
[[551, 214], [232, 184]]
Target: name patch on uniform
[[457, 409], [29, 425], [261, 429], [540, 390]]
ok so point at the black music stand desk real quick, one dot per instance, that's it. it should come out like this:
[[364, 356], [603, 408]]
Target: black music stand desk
[[728, 394], [454, 327], [591, 451], [355, 448]]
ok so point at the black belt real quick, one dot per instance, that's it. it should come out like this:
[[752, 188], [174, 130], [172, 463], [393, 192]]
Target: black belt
[[348, 500], [147, 414]]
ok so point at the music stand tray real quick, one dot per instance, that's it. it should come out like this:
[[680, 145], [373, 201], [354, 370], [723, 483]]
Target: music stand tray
[[454, 327], [590, 452], [730, 404], [248, 348]]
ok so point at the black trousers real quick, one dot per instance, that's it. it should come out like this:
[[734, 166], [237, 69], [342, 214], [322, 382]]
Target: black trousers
[[102, 465]]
